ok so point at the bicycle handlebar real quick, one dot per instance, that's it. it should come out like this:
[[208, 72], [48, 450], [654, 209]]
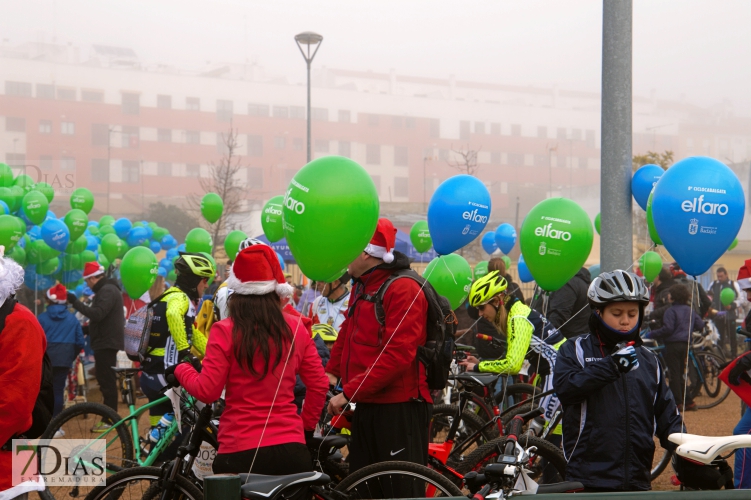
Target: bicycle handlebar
[[487, 338], [514, 428]]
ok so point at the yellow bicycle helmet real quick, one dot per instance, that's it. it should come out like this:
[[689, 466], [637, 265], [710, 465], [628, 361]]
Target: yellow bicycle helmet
[[487, 287], [196, 264], [327, 332]]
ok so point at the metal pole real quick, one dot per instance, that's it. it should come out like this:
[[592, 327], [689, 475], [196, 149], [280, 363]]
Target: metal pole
[[109, 148], [615, 182], [308, 62]]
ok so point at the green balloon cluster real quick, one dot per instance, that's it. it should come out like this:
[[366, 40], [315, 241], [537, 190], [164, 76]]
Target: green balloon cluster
[[451, 276], [271, 219]]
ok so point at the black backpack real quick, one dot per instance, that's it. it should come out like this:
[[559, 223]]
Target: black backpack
[[45, 402], [437, 353]]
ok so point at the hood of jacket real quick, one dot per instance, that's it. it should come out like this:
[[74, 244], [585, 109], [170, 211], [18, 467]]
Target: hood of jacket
[[57, 312], [584, 275]]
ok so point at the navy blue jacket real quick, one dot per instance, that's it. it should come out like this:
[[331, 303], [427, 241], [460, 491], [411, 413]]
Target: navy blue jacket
[[678, 320], [64, 335], [609, 418]]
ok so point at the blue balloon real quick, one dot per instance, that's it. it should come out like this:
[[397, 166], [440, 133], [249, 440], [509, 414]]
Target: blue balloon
[[281, 260], [167, 264], [136, 237], [87, 290], [50, 215], [488, 242], [458, 212], [181, 248], [698, 207], [169, 242], [23, 217], [92, 243], [122, 226], [643, 181], [35, 233], [79, 290], [524, 275], [92, 223], [56, 234], [44, 282], [162, 272], [155, 246], [594, 271], [149, 231], [171, 253], [505, 237], [30, 276], [4, 207], [72, 276]]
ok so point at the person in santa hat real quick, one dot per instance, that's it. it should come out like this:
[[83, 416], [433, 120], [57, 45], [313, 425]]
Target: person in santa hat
[[256, 354], [378, 364], [64, 340]]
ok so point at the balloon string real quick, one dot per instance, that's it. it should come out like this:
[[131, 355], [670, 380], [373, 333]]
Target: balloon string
[[688, 348], [449, 270]]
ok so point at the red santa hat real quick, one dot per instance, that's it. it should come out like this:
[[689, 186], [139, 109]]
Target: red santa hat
[[58, 294], [382, 243], [92, 269], [256, 271], [744, 276]]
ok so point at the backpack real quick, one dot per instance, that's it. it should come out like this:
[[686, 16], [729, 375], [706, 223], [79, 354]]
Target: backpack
[[438, 352], [138, 330], [207, 315], [41, 415]]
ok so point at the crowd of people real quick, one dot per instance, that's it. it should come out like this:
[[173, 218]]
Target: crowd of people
[[272, 351]]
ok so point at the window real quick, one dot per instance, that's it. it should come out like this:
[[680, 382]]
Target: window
[[67, 128], [280, 111], [164, 169], [377, 182], [67, 163], [319, 114], [590, 138], [560, 162], [443, 154], [560, 133], [373, 154], [221, 144], [373, 120], [397, 122], [297, 112], [401, 156], [164, 102], [541, 160], [164, 135], [255, 145], [582, 162], [129, 137], [192, 170], [192, 104], [401, 187], [427, 154], [464, 130], [100, 170], [100, 134], [45, 91], [45, 127], [131, 103], [131, 171], [435, 128], [495, 157], [515, 159], [255, 177], [576, 134], [92, 96], [15, 159], [280, 142], [258, 109], [45, 162], [542, 132], [345, 116], [345, 148], [410, 123], [13, 124], [66, 94], [516, 130], [18, 88], [192, 137], [297, 144], [321, 146], [495, 128], [223, 110], [479, 128]]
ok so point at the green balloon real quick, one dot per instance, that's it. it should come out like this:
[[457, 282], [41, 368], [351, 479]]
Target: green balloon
[[106, 220], [507, 261], [481, 269], [556, 239], [10, 232], [159, 233], [73, 262], [152, 225], [38, 251], [137, 224], [271, 219], [420, 236], [76, 220], [107, 229], [93, 231], [138, 271], [331, 199], [451, 276], [733, 244], [727, 296], [650, 264], [77, 246], [103, 260], [18, 193], [124, 247], [232, 243], [83, 199], [18, 254], [597, 223], [6, 175], [46, 189], [650, 223], [25, 182], [35, 206], [212, 207], [171, 275], [48, 266], [87, 256], [10, 199], [112, 246], [198, 240]]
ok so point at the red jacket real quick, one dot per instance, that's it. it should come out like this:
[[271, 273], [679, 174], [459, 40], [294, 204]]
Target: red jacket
[[22, 344], [249, 400], [378, 364]]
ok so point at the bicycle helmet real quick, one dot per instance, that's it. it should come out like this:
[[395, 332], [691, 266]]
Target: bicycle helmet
[[617, 286], [327, 332], [195, 264], [487, 287], [249, 242]]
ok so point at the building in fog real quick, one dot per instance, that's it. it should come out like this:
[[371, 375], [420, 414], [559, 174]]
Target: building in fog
[[134, 135]]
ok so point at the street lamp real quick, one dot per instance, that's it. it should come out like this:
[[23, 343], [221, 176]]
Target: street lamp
[[311, 40]]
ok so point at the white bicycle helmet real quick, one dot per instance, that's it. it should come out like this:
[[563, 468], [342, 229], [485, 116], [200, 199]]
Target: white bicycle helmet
[[249, 242], [617, 286]]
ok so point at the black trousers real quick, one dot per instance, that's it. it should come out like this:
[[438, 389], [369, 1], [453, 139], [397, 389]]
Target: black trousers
[[276, 460], [675, 360], [106, 360]]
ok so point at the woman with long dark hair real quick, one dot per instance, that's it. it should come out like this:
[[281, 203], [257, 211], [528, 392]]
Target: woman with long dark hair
[[256, 354]]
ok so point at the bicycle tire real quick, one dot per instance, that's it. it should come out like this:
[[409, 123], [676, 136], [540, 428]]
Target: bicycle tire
[[443, 415], [658, 469], [184, 489], [710, 365], [92, 413], [476, 405], [357, 482], [545, 450]]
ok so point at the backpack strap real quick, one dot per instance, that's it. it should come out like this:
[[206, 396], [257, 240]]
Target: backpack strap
[[377, 298], [154, 302]]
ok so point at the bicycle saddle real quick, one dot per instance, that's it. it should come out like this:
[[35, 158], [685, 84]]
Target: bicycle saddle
[[262, 487], [479, 379], [705, 449], [332, 441]]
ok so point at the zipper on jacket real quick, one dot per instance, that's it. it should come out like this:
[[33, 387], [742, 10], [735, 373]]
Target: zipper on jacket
[[627, 457]]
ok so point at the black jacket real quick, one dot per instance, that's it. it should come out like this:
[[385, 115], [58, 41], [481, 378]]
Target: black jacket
[[107, 325], [660, 303], [701, 302], [570, 303], [609, 418]]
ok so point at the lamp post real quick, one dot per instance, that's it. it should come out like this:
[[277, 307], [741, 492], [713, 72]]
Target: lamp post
[[311, 41]]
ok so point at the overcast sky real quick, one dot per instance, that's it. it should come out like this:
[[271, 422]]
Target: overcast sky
[[700, 48]]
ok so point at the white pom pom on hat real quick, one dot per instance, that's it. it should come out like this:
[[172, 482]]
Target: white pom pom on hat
[[383, 241]]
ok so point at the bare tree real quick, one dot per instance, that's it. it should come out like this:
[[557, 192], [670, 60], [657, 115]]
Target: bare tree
[[466, 162]]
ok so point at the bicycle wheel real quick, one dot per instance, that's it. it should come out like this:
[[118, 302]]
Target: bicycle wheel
[[76, 422], [660, 462], [546, 465], [712, 391], [397, 480], [142, 483], [471, 425]]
